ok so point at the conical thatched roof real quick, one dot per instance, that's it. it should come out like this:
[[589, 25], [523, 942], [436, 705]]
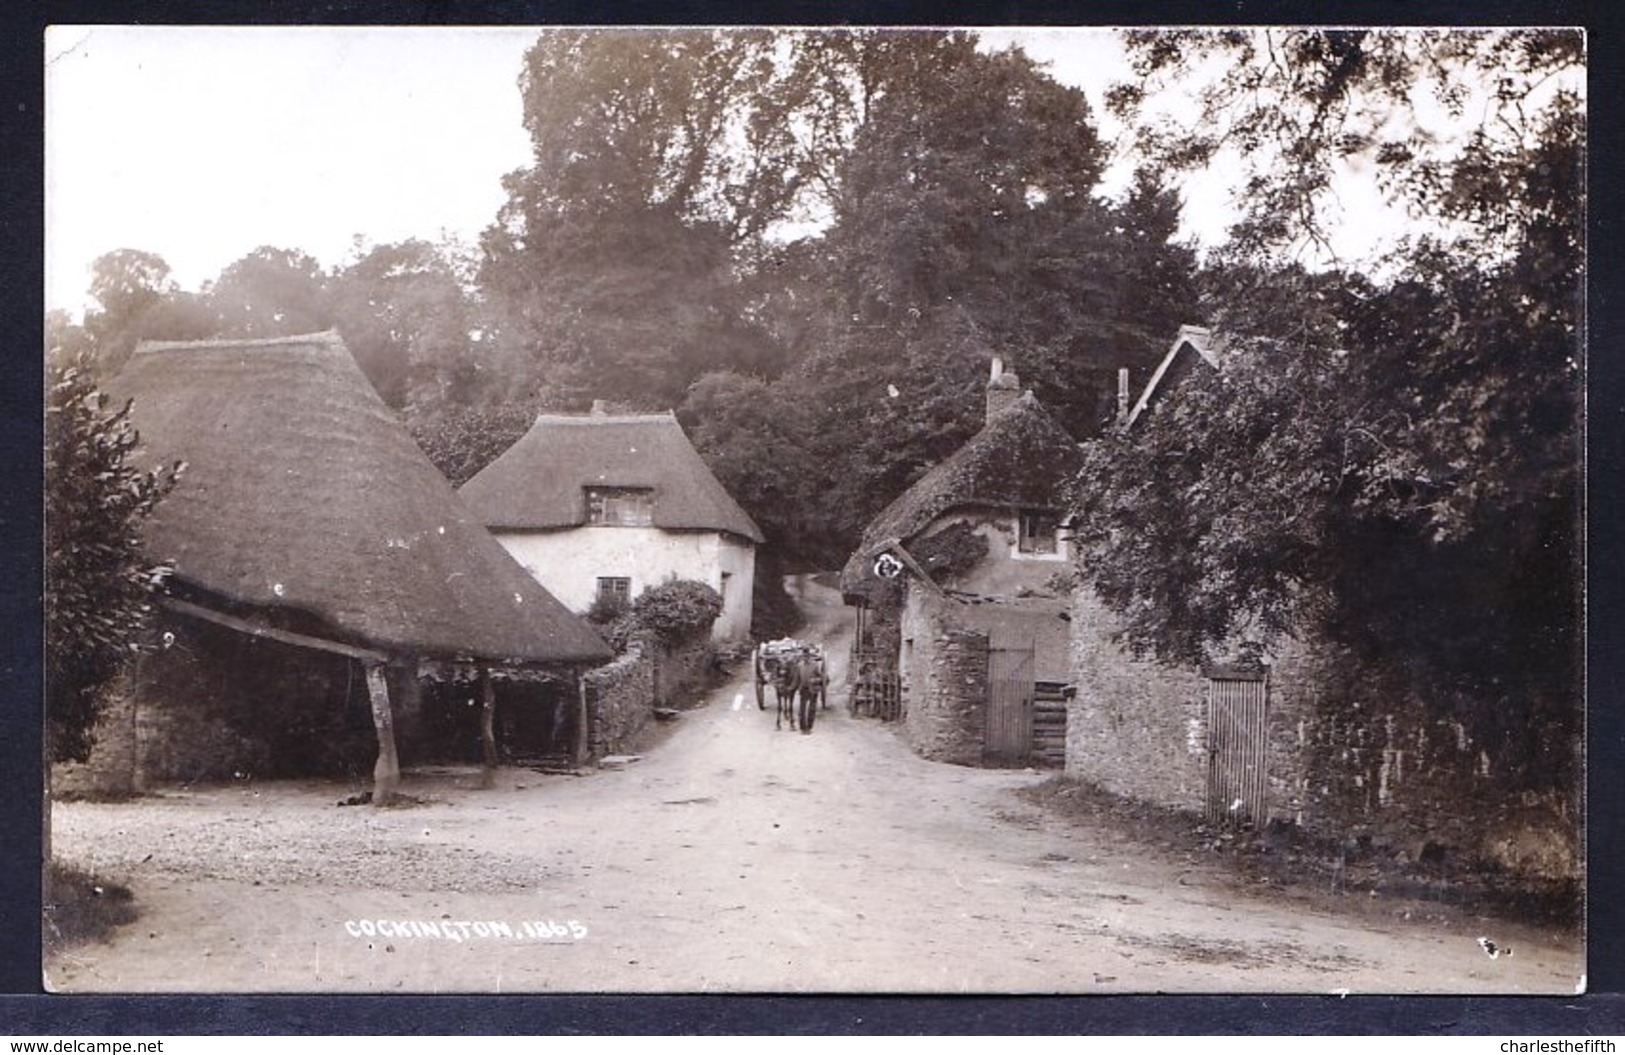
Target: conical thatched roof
[[540, 482], [1022, 459], [303, 495]]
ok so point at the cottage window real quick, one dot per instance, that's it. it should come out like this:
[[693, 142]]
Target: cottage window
[[621, 506], [1038, 532], [614, 588]]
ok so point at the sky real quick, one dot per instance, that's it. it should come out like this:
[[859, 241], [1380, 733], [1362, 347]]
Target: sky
[[202, 144]]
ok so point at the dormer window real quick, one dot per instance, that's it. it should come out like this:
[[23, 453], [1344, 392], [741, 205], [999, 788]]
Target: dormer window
[[1039, 530], [621, 506]]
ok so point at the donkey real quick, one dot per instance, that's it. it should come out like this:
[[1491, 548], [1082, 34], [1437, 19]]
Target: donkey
[[787, 684]]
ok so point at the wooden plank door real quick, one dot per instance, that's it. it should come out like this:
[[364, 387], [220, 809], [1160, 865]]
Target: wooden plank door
[[1009, 736], [1238, 739]]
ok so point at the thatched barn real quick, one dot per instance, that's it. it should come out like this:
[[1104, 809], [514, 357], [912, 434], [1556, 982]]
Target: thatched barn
[[960, 598], [600, 506], [316, 550]]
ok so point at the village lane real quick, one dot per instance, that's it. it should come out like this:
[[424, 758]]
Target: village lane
[[731, 857]]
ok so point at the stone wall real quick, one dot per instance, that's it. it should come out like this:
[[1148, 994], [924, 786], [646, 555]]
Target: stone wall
[[622, 695], [945, 683], [1347, 759], [1134, 727], [620, 698], [113, 769]]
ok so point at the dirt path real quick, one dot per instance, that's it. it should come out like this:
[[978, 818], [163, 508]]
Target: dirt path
[[730, 858]]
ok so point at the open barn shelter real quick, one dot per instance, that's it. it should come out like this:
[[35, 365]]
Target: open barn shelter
[[322, 566]]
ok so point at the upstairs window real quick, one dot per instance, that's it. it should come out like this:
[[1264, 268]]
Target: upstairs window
[[621, 506], [1038, 533]]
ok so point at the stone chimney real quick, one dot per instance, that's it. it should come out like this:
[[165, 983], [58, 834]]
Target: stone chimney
[[1003, 389], [1122, 393]]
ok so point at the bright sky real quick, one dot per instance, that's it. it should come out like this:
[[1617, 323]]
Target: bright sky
[[202, 144]]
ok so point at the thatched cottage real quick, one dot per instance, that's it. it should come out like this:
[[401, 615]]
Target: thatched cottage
[[321, 562], [601, 506], [959, 586]]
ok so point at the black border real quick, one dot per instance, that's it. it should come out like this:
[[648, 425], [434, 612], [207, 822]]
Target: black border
[[25, 1010]]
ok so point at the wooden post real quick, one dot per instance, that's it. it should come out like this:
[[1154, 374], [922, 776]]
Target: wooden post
[[583, 717], [488, 736], [386, 774]]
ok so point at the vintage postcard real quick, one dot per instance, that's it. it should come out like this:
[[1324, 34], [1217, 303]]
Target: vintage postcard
[[788, 510]]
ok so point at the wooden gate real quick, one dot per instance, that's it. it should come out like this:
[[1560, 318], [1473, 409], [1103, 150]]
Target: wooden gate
[[1009, 736], [1237, 745]]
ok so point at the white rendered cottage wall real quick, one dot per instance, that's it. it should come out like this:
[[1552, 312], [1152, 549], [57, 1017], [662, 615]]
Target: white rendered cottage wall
[[569, 564]]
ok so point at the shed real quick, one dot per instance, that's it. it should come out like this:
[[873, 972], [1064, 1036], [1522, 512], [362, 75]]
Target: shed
[[307, 515]]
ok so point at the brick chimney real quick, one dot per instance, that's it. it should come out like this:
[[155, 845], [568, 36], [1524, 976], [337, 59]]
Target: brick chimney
[[1003, 389]]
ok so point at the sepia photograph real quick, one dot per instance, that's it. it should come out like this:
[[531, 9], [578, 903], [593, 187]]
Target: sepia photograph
[[770, 509]]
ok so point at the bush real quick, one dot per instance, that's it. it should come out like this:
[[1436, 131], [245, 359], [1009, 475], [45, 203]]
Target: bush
[[99, 583], [606, 609], [677, 610]]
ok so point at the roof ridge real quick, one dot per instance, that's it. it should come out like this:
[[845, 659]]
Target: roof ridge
[[606, 419], [211, 343]]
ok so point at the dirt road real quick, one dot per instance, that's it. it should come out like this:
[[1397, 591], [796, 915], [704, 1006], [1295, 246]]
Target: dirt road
[[732, 858]]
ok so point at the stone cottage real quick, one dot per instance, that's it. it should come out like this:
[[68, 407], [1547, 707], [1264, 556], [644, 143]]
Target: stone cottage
[[601, 506], [959, 587]]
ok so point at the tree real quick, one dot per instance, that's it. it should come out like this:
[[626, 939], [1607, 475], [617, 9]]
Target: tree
[[655, 154], [99, 584], [410, 323], [270, 292], [461, 441], [753, 436], [945, 202], [1444, 119], [966, 224], [1389, 460], [136, 300]]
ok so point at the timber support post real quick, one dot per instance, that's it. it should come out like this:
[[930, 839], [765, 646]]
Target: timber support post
[[583, 719], [386, 774], [488, 738]]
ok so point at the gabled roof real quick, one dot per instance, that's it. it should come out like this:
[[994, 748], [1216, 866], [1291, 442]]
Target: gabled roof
[[304, 497], [1022, 459], [1190, 344], [540, 482]]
